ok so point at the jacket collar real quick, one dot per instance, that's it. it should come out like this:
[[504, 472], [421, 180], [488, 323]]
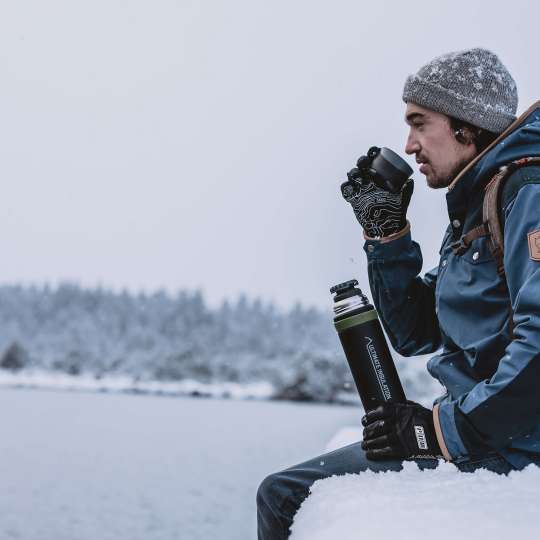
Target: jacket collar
[[520, 139]]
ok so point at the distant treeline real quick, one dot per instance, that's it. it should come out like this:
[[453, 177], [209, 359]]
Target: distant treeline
[[168, 338]]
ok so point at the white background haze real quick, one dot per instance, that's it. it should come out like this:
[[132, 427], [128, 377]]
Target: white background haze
[[201, 144]]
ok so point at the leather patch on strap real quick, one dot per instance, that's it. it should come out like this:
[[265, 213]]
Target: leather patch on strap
[[534, 244]]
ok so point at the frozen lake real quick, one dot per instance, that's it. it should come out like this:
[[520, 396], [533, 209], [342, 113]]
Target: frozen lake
[[77, 466]]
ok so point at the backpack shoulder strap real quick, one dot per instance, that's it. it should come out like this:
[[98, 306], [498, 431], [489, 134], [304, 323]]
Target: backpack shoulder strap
[[501, 189], [530, 174], [494, 204]]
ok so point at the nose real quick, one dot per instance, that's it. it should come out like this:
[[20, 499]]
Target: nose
[[412, 146]]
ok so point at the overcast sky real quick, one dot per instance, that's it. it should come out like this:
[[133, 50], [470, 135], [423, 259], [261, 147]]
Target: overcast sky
[[184, 144]]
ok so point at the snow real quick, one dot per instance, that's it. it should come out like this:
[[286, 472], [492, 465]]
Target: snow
[[442, 503], [479, 71]]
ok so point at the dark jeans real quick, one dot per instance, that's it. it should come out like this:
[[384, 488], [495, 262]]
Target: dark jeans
[[281, 494]]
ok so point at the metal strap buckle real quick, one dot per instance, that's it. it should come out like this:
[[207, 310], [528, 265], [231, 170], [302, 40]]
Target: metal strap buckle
[[460, 247]]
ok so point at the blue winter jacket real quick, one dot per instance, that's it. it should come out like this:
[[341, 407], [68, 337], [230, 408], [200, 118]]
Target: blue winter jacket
[[460, 310]]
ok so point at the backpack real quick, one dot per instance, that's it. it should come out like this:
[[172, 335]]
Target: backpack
[[497, 191], [492, 209]]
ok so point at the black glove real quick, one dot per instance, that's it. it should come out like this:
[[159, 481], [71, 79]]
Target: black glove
[[400, 430], [380, 212]]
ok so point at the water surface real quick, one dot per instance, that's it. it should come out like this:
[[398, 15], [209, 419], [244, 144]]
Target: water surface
[[76, 466]]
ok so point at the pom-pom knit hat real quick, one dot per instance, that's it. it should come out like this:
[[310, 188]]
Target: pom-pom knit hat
[[471, 85]]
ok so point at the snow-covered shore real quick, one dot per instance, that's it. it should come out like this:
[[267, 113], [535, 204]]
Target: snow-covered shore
[[46, 380], [86, 383]]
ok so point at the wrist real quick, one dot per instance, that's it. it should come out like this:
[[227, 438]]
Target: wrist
[[390, 237]]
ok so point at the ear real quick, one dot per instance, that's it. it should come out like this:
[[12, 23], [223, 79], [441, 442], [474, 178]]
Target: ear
[[464, 136]]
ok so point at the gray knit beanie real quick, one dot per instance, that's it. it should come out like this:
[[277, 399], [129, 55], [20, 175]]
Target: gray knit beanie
[[471, 85]]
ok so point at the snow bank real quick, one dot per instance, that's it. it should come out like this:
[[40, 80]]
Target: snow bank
[[442, 503]]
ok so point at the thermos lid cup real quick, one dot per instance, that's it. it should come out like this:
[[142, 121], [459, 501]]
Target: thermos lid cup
[[390, 170]]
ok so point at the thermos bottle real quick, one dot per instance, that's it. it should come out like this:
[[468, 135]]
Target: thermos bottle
[[363, 341]]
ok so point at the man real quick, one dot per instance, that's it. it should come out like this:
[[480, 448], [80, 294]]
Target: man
[[484, 325]]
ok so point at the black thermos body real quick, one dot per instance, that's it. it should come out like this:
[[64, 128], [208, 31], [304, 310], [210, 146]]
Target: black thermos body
[[360, 332]]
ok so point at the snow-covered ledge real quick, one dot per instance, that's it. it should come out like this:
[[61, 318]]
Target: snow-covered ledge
[[440, 504]]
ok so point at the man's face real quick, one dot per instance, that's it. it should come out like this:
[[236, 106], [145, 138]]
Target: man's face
[[433, 141]]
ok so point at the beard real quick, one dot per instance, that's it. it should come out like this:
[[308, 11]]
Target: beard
[[438, 180]]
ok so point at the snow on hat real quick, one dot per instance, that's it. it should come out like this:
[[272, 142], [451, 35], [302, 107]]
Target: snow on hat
[[471, 85]]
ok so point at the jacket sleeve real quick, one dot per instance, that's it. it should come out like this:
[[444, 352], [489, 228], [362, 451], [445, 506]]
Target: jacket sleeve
[[405, 302], [507, 405]]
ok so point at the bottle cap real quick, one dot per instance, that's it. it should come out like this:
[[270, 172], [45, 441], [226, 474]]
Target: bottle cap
[[342, 287]]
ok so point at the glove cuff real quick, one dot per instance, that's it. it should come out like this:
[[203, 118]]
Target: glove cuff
[[391, 237], [439, 434]]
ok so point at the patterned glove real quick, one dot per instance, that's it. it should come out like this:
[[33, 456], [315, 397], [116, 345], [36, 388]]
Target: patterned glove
[[380, 212], [400, 430]]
